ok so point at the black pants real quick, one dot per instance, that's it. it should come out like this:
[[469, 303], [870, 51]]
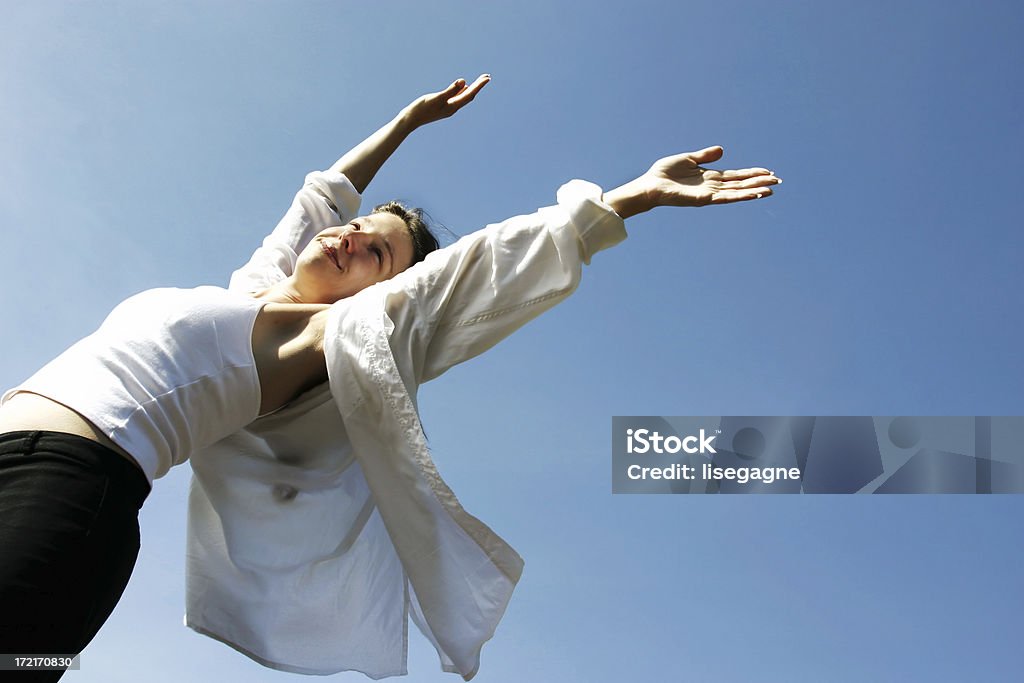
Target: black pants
[[69, 538]]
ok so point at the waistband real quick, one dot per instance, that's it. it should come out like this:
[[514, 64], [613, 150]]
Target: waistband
[[126, 476]]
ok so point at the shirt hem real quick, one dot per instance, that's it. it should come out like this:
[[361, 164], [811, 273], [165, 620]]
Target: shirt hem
[[289, 668]]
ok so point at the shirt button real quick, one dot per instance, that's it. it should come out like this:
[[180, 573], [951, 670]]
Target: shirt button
[[284, 493]]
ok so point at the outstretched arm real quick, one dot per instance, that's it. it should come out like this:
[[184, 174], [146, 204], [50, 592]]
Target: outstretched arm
[[363, 161], [465, 298]]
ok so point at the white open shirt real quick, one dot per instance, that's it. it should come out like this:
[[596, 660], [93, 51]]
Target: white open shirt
[[316, 532]]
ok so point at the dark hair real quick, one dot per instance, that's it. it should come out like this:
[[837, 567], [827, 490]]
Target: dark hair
[[423, 240]]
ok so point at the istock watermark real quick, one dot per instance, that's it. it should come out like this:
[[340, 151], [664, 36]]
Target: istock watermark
[[829, 454]]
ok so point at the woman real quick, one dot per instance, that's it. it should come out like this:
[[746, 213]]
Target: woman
[[315, 405]]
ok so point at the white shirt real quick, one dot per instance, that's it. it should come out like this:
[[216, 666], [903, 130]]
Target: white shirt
[[318, 531]]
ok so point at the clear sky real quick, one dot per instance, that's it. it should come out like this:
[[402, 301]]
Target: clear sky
[[149, 144]]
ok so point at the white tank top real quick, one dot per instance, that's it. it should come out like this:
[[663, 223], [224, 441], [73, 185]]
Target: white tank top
[[168, 372]]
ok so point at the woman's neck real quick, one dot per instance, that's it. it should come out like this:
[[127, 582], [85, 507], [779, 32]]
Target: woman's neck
[[283, 292]]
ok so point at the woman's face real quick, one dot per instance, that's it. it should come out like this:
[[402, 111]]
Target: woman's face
[[346, 259]]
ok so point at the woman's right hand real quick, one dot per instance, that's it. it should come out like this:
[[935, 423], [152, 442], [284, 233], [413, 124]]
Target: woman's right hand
[[440, 105]]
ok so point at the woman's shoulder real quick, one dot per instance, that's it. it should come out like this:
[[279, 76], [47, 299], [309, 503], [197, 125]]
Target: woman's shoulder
[[168, 307]]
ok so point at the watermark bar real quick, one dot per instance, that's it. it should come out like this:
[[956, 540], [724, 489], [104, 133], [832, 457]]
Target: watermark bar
[[830, 454], [39, 662]]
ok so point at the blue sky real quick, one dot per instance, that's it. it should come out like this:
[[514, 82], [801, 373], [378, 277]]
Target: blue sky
[[150, 144]]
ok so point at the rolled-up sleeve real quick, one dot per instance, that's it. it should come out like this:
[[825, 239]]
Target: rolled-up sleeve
[[326, 199]]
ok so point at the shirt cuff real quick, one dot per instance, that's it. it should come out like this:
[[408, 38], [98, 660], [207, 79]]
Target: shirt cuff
[[338, 190], [597, 225]]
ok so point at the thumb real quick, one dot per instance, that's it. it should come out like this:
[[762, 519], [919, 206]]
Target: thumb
[[707, 154]]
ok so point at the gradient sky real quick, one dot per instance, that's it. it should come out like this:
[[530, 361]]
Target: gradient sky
[[154, 144]]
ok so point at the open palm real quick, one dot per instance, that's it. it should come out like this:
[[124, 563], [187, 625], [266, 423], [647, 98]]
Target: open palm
[[680, 180]]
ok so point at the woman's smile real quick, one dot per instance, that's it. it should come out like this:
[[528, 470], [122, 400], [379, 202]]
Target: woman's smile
[[331, 252]]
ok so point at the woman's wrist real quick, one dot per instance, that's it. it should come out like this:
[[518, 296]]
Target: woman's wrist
[[630, 199], [407, 120]]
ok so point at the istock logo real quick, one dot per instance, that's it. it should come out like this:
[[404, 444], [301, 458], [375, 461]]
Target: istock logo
[[646, 441]]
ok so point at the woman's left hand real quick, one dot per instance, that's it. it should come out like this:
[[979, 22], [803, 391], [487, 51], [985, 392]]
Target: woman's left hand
[[681, 180], [440, 105]]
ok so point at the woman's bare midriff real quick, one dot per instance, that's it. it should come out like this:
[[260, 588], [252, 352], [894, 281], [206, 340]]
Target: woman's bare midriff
[[29, 412]]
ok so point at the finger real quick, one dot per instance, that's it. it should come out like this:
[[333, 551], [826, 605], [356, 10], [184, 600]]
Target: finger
[[735, 174], [756, 181], [469, 93], [730, 196], [457, 85], [708, 154]]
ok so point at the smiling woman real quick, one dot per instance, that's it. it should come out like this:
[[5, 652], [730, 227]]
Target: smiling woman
[[292, 393], [170, 372]]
